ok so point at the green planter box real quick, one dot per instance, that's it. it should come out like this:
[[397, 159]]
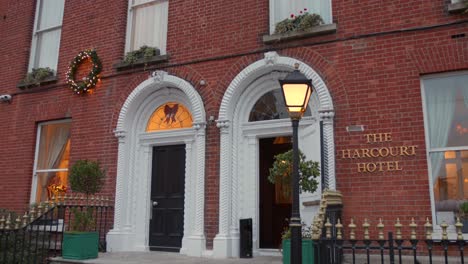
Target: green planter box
[[80, 245], [307, 251]]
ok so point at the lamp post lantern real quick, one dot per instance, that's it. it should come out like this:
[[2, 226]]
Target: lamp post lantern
[[296, 91]]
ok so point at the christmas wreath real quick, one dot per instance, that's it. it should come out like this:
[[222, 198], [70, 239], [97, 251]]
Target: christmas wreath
[[89, 81]]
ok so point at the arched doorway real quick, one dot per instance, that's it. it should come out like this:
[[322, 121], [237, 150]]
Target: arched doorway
[[162, 120], [240, 145]]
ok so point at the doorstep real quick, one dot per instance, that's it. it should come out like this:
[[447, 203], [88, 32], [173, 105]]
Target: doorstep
[[155, 257]]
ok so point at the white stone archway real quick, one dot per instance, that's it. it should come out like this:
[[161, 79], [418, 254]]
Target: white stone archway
[[239, 142], [133, 183]]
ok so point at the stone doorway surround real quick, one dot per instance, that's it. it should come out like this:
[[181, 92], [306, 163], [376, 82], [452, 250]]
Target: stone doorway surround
[[256, 79], [132, 201]]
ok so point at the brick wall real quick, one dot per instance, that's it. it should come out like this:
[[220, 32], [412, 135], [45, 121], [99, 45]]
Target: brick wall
[[374, 80]]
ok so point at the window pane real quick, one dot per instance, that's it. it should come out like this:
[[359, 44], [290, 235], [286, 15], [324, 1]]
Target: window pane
[[169, 116], [450, 181], [271, 106], [51, 184], [446, 111], [54, 146], [51, 13], [150, 26], [283, 9], [48, 49], [464, 154]]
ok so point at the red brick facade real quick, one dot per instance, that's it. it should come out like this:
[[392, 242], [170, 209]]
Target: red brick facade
[[372, 67]]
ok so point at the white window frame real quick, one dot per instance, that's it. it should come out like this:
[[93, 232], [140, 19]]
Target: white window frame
[[273, 15], [128, 38], [35, 38], [36, 154], [437, 229]]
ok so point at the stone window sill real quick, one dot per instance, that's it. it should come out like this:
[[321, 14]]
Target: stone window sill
[[49, 80], [141, 63], [457, 8], [315, 31]]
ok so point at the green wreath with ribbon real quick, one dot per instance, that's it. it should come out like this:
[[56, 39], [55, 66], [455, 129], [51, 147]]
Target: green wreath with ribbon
[[88, 82]]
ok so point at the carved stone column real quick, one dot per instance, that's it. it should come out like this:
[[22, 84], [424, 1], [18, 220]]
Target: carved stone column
[[194, 243], [120, 196], [200, 180], [118, 237], [328, 149], [222, 247]]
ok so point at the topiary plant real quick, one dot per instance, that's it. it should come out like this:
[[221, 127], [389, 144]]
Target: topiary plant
[[282, 171], [85, 177]]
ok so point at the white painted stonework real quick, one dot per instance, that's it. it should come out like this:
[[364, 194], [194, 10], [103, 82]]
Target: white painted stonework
[[239, 161], [132, 202]]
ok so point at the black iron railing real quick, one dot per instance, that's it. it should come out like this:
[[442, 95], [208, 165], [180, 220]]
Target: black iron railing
[[392, 248], [37, 235]]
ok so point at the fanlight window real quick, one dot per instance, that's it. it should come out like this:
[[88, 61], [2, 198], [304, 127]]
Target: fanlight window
[[271, 106], [169, 116]]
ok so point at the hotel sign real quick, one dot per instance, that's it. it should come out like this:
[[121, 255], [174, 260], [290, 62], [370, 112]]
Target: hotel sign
[[391, 154]]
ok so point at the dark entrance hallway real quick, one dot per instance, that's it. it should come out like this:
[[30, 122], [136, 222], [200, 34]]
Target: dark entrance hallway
[[274, 208]]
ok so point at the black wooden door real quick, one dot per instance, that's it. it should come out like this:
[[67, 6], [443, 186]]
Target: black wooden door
[[167, 198]]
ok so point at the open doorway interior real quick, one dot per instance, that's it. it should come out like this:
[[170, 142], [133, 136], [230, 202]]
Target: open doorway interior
[[275, 208]]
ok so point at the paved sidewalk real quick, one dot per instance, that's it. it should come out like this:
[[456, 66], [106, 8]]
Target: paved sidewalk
[[167, 258]]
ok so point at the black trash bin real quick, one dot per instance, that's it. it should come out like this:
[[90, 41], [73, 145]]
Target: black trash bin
[[245, 227]]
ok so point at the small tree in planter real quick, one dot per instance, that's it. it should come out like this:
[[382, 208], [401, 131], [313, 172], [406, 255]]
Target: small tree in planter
[[281, 172], [81, 242]]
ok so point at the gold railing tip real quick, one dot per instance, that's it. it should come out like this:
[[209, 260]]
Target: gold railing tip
[[8, 221], [398, 223], [2, 222], [427, 221], [366, 223], [17, 222], [380, 224], [25, 218]]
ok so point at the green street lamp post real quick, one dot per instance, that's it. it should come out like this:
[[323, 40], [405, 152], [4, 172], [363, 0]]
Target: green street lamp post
[[296, 91]]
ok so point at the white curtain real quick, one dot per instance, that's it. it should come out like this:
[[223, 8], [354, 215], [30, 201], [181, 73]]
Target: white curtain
[[282, 9], [51, 14], [48, 49], [440, 104], [50, 18], [52, 144], [150, 25]]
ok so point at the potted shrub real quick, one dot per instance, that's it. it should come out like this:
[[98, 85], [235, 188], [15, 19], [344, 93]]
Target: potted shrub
[[81, 242], [463, 213], [281, 172], [307, 245]]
